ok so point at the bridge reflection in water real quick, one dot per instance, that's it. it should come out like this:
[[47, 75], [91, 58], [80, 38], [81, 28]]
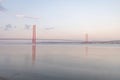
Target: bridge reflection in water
[[86, 50], [33, 53]]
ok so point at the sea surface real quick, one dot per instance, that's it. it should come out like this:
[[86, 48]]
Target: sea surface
[[59, 61]]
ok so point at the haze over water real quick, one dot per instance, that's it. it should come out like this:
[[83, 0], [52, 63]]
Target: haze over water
[[59, 62]]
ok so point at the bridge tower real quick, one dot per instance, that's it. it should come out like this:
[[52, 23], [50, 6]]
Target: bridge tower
[[86, 38], [34, 34]]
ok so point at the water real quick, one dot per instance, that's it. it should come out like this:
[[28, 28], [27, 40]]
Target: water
[[59, 62]]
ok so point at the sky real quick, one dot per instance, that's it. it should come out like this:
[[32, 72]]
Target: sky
[[60, 19]]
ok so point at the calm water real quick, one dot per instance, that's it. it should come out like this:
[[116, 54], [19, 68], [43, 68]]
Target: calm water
[[59, 62]]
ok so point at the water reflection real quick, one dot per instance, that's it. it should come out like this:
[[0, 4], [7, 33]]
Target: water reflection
[[59, 62], [86, 50], [33, 53]]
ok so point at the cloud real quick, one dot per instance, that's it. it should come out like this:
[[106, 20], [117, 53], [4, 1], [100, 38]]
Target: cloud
[[27, 26], [8, 27], [49, 28], [24, 16], [2, 9]]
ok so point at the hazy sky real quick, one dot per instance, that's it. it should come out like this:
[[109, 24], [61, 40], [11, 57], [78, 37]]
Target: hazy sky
[[61, 19]]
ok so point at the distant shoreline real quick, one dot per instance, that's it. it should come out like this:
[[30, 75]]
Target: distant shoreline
[[55, 41]]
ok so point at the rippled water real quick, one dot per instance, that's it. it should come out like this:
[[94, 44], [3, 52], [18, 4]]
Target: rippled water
[[59, 62]]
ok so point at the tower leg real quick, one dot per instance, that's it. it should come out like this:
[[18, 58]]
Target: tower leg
[[86, 38], [34, 35]]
